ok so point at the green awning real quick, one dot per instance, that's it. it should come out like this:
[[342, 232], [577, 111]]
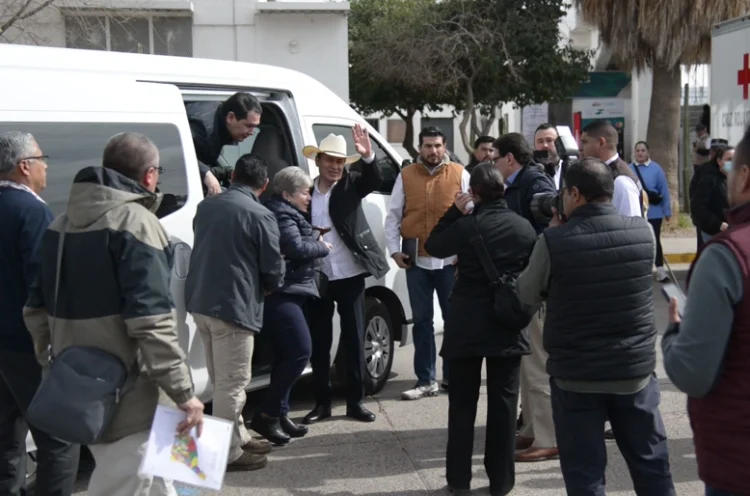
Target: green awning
[[603, 84]]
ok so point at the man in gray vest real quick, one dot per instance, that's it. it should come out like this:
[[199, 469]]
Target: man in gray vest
[[594, 271]]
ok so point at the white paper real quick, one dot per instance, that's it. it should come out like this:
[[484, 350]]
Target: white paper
[[189, 459]]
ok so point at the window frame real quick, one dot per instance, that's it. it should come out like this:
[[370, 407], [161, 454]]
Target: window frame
[[377, 143], [108, 15], [282, 102]]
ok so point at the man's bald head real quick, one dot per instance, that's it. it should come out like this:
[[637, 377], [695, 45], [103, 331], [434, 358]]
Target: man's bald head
[[131, 154]]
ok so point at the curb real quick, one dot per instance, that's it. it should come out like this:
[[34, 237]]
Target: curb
[[679, 258]]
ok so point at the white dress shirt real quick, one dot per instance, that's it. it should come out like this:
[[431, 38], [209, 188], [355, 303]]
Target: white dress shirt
[[396, 214], [340, 262], [558, 176], [627, 198]]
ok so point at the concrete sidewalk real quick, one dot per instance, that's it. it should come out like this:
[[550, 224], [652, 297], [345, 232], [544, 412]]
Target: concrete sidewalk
[[679, 250]]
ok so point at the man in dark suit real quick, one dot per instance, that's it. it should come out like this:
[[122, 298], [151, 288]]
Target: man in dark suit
[[233, 121], [337, 204]]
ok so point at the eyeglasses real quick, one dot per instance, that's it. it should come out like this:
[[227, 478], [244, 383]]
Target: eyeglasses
[[41, 158], [159, 169]]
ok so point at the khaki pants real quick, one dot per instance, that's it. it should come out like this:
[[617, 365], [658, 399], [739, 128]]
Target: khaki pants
[[116, 472], [229, 358], [535, 389]]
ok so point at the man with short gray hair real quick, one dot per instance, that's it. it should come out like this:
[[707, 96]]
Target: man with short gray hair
[[24, 218], [114, 295]]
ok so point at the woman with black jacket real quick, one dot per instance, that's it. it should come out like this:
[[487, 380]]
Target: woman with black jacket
[[474, 334], [283, 315], [709, 202]]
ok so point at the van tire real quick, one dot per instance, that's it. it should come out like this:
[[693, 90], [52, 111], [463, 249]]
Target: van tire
[[378, 346]]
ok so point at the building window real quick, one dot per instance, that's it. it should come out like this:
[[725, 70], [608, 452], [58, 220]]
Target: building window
[[158, 35], [375, 123], [396, 130]]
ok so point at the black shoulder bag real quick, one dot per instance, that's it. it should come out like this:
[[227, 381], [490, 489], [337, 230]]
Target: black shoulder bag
[[79, 394], [508, 309], [654, 198]]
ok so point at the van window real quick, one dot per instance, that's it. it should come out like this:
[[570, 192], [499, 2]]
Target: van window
[[271, 140], [389, 169], [71, 146]]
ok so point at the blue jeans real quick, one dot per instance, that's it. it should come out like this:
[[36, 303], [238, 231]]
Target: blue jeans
[[710, 491], [422, 285], [639, 433], [284, 318]]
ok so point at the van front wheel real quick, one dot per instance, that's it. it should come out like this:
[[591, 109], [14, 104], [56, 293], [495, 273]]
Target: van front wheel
[[378, 347]]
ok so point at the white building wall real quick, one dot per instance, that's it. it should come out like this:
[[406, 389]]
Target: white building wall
[[306, 35]]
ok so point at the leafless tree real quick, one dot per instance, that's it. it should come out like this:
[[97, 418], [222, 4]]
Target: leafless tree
[[26, 21]]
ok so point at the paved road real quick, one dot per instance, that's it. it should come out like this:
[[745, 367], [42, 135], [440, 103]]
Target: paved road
[[403, 452]]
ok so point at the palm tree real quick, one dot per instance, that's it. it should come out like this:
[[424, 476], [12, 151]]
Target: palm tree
[[661, 36]]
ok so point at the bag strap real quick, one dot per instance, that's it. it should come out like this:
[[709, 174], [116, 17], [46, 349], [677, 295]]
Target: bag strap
[[484, 256], [640, 177], [58, 271]]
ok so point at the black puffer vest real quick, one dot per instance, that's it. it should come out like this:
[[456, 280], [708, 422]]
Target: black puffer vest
[[600, 309]]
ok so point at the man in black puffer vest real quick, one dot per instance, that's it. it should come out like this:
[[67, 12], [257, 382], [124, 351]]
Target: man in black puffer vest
[[594, 271]]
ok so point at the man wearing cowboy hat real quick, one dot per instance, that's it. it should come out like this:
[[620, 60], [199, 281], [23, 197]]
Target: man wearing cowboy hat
[[422, 194], [337, 204]]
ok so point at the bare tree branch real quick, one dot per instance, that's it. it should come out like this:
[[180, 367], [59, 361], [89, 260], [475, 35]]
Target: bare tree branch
[[21, 14]]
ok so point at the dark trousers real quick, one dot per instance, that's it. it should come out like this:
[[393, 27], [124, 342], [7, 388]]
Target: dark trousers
[[284, 319], [656, 224], [422, 285], [57, 461], [700, 237], [348, 295], [711, 491], [638, 430], [502, 401]]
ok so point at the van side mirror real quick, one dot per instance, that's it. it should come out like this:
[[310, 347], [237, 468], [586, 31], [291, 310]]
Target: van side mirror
[[405, 163]]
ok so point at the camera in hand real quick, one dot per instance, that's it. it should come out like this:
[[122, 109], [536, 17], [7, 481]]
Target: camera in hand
[[542, 205], [567, 150]]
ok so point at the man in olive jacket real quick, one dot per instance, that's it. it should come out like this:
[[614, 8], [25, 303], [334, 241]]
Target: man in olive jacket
[[114, 295], [235, 262]]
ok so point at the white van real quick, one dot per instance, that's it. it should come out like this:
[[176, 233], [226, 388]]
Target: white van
[[72, 101]]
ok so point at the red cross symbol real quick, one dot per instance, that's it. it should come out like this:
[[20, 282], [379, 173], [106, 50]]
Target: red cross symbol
[[743, 77]]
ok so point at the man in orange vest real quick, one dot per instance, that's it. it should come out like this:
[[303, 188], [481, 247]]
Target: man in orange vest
[[423, 192]]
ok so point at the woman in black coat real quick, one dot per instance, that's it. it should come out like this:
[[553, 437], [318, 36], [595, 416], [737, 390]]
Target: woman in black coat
[[709, 202], [283, 315], [473, 333]]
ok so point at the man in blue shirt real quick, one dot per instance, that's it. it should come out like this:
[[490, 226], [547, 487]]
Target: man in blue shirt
[[24, 218]]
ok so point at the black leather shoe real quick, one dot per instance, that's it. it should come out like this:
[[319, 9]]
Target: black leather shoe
[[270, 429], [359, 412], [320, 412], [291, 428]]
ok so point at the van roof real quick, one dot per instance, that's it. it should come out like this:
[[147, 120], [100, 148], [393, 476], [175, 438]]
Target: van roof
[[312, 97]]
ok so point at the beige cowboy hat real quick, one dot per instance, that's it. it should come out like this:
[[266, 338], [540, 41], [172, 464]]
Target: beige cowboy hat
[[333, 145]]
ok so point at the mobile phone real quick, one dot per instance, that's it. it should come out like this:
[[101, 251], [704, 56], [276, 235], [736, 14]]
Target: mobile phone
[[322, 230], [672, 290], [541, 155]]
